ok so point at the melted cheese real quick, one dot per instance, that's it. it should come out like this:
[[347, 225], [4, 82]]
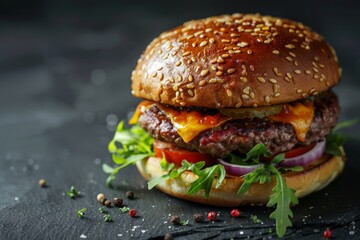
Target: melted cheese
[[140, 109], [299, 116], [190, 124]]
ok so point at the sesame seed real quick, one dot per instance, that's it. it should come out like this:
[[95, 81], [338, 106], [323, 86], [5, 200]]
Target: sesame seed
[[267, 99], [191, 78], [249, 51], [197, 68], [272, 80], [287, 79], [290, 46], [191, 92], [175, 87], [231, 70], [297, 71], [213, 67], [171, 79], [316, 58], [179, 78], [296, 63], [276, 87], [321, 65], [193, 59], [267, 41], [276, 52], [161, 76], [219, 73], [154, 74], [314, 64], [316, 70], [190, 85], [203, 43], [246, 90], [292, 54], [225, 55], [186, 53], [225, 40], [243, 79], [178, 63], [193, 44], [213, 61], [237, 51], [204, 72], [211, 40], [213, 80], [277, 94], [244, 72], [165, 56], [276, 71], [252, 68], [299, 91], [220, 60], [242, 44], [202, 83], [308, 72], [289, 59], [208, 30], [252, 95], [183, 103], [228, 92], [316, 76], [261, 79], [219, 80], [238, 105], [245, 97]]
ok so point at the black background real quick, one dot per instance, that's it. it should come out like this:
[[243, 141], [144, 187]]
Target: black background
[[64, 83]]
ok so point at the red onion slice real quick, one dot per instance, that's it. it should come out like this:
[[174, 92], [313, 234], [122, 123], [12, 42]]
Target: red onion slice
[[238, 170], [306, 158]]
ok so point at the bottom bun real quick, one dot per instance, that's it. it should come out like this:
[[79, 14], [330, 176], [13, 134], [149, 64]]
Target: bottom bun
[[314, 177]]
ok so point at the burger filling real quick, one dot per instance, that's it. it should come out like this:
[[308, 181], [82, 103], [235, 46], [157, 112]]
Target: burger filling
[[219, 135]]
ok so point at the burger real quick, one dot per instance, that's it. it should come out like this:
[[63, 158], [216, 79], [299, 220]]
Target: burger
[[238, 109]]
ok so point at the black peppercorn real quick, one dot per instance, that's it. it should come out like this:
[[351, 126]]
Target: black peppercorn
[[129, 194], [168, 237], [174, 219], [107, 203], [198, 217], [117, 202]]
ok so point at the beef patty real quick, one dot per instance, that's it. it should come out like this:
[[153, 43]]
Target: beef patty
[[240, 135]]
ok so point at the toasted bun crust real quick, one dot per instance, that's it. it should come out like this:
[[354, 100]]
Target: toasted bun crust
[[235, 61], [313, 179]]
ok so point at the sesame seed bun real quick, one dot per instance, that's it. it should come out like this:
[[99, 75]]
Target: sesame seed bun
[[313, 178], [235, 61]]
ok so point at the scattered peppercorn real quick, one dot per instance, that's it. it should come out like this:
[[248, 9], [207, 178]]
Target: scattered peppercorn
[[42, 183], [117, 202], [103, 201], [130, 195], [107, 203], [168, 237], [132, 213], [327, 233], [212, 216], [174, 219], [235, 213], [198, 217], [100, 197]]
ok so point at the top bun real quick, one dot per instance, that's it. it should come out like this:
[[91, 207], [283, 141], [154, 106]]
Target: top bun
[[235, 61]]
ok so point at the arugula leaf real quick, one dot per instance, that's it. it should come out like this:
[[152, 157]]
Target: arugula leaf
[[124, 209], [73, 193], [333, 144], [255, 219], [81, 212], [261, 174], [253, 155], [206, 178], [345, 124], [127, 147], [282, 197]]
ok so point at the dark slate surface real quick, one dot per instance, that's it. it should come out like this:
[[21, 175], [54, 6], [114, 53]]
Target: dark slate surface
[[65, 82]]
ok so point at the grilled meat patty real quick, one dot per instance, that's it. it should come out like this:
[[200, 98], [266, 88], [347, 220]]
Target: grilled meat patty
[[240, 135]]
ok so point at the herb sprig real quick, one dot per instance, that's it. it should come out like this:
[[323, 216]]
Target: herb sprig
[[73, 193], [127, 147], [81, 212]]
